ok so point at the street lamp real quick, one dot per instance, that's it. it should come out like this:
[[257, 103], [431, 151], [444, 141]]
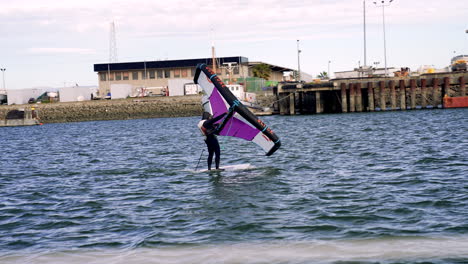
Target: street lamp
[[365, 49], [298, 63], [383, 4], [328, 73], [3, 73]]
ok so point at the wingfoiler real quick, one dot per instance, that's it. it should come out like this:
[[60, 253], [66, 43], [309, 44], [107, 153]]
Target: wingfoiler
[[239, 122]]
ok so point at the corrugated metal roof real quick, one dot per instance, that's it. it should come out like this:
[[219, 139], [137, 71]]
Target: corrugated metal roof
[[123, 66]]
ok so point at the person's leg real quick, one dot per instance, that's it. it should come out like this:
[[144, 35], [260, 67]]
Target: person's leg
[[217, 152], [210, 153]]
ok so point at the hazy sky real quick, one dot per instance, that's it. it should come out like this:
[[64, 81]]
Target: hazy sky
[[52, 43]]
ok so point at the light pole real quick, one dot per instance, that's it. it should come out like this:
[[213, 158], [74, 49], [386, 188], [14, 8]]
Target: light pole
[[298, 62], [328, 73], [383, 4], [365, 49], [3, 73]]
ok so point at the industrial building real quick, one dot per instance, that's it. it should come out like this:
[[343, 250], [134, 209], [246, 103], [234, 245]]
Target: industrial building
[[174, 74]]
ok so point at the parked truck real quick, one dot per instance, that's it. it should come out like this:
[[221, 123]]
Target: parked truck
[[459, 63]]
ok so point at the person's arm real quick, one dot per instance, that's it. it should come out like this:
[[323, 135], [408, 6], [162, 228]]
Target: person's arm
[[210, 122]]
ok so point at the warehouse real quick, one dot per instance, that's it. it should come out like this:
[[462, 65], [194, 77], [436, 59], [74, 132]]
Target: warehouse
[[159, 73]]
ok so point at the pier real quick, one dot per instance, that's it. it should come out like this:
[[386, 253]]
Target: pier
[[370, 94]]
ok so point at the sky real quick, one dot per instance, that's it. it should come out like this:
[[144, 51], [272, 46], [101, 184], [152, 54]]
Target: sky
[[55, 43]]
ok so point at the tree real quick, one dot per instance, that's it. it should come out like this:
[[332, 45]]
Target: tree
[[323, 75], [261, 71]]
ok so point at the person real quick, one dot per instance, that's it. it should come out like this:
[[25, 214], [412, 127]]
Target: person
[[209, 129]]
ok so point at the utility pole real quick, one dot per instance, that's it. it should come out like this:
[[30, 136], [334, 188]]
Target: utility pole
[[230, 68], [213, 52], [383, 4], [3, 73], [298, 63]]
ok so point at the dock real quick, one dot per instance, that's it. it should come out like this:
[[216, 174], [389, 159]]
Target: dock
[[371, 94]]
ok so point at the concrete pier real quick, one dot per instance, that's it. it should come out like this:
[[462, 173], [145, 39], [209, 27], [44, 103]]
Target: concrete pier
[[370, 94]]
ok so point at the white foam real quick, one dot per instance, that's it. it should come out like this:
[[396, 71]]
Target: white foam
[[275, 252], [234, 167]]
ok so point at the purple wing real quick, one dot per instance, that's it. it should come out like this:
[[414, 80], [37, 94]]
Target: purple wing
[[234, 126]]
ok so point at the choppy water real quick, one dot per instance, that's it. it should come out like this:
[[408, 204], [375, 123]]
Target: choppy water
[[352, 188]]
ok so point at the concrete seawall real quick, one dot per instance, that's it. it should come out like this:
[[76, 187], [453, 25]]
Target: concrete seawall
[[132, 108]]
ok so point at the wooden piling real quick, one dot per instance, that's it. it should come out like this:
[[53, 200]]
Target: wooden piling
[[435, 92], [292, 102], [413, 93], [446, 87], [358, 98], [383, 105], [352, 97], [344, 100], [423, 93], [318, 102], [461, 80], [393, 95], [370, 94], [402, 91], [283, 103]]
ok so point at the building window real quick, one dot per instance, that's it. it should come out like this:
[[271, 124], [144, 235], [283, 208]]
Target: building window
[[135, 75], [236, 70], [103, 76], [152, 74], [167, 74], [125, 76], [159, 74], [111, 76], [177, 73], [118, 76], [184, 72], [143, 75]]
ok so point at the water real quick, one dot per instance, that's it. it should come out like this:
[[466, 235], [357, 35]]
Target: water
[[353, 188]]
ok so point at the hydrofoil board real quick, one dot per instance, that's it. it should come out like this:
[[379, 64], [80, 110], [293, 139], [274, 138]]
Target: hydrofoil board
[[234, 167]]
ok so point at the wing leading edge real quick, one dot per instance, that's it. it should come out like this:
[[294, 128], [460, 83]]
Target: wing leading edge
[[244, 124]]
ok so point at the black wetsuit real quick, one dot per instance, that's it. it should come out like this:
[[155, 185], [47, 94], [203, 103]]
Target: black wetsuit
[[211, 140]]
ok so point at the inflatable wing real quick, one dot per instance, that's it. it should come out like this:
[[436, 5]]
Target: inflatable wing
[[240, 122]]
